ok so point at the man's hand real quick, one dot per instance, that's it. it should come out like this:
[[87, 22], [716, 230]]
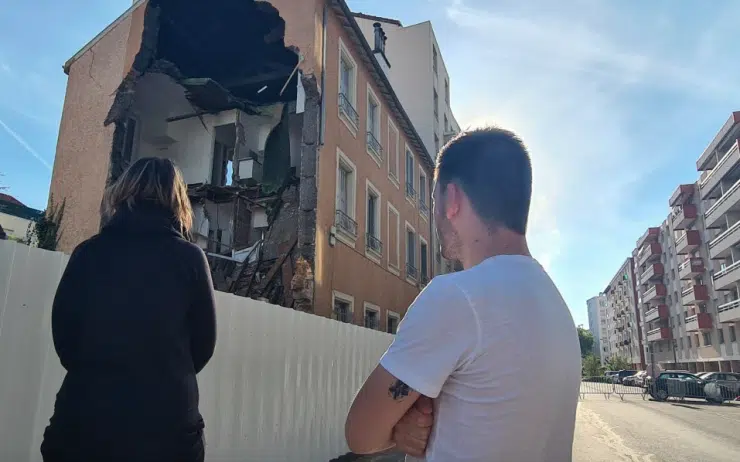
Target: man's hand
[[411, 433]]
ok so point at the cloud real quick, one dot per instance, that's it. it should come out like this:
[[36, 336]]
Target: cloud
[[24, 144]]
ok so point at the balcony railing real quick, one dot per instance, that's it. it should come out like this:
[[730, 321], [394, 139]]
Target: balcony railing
[[423, 278], [713, 214], [724, 241], [727, 276], [710, 181], [411, 271], [690, 267], [372, 322], [410, 191], [374, 146], [697, 322], [345, 106], [423, 207], [373, 244], [346, 224], [729, 312]]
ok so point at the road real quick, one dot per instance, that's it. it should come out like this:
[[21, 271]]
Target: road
[[612, 430]]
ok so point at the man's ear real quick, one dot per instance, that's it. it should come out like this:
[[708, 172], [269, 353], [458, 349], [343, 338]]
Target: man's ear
[[452, 198]]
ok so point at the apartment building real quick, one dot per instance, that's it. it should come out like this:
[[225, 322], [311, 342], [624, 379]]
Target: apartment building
[[412, 60], [624, 336], [597, 317], [310, 183]]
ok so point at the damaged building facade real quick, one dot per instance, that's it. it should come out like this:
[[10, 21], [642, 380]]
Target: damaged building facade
[[310, 186]]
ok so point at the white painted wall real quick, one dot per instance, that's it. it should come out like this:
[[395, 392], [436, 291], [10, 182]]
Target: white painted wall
[[278, 387], [14, 226]]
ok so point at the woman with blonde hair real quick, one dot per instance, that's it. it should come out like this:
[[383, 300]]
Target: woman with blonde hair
[[133, 322]]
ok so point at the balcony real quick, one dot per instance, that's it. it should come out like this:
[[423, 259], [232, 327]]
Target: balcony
[[651, 235], [681, 195], [729, 312], [698, 322], [690, 240], [411, 271], [423, 208], [696, 293], [653, 271], [374, 147], [346, 109], [710, 182], [659, 334], [649, 253], [720, 246], [728, 131], [729, 202], [656, 292], [346, 224], [659, 312], [373, 244], [410, 191], [690, 268], [684, 216], [727, 277]]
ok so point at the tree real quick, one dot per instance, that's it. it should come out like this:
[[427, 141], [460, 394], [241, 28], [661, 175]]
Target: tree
[[618, 363], [592, 366], [45, 231], [586, 339]]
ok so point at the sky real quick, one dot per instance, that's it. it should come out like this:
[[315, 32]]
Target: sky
[[615, 101]]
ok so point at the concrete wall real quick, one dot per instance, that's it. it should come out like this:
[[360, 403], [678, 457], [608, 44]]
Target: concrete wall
[[278, 387], [14, 226]]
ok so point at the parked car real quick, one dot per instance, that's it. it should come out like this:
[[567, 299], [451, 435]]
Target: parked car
[[620, 376], [636, 380], [687, 385], [729, 380]]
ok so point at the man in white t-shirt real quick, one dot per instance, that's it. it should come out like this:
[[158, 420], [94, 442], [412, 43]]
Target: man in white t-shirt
[[494, 345]]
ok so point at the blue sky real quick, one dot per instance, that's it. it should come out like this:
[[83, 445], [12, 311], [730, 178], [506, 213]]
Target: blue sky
[[616, 100]]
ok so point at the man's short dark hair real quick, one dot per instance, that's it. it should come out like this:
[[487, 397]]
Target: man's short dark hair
[[492, 166]]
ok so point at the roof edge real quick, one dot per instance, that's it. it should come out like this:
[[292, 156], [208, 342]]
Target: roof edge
[[371, 17]]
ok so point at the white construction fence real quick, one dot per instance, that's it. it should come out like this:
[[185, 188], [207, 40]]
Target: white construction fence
[[277, 389]]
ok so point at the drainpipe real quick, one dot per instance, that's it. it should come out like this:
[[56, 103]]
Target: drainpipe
[[322, 126]]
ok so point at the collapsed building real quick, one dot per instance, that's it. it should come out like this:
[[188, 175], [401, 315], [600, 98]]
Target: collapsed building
[[217, 91]]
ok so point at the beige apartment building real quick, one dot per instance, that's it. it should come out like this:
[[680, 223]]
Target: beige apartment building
[[311, 186], [622, 319]]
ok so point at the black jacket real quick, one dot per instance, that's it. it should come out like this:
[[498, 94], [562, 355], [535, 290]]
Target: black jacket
[[133, 321]]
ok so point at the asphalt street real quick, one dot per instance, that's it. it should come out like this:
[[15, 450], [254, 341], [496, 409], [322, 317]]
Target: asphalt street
[[634, 429]]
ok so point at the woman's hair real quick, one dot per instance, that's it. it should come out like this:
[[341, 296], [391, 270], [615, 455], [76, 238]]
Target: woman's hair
[[151, 180]]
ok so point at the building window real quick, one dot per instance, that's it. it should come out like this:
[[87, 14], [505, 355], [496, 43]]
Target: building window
[[348, 88], [345, 202], [373, 244], [373, 126], [688, 341], [721, 336], [393, 143], [434, 58], [394, 240], [707, 338], [343, 305], [733, 337], [423, 261], [447, 92], [436, 144], [410, 191], [372, 316], [391, 322], [680, 343], [447, 124], [423, 202], [412, 271], [129, 140], [436, 104]]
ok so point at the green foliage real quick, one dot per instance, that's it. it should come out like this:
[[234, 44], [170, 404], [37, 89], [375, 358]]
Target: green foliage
[[45, 231], [592, 366], [586, 339], [618, 363]]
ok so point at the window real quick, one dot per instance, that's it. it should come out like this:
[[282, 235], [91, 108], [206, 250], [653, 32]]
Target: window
[[436, 104], [680, 343], [423, 207], [345, 202], [411, 271], [447, 92], [373, 126], [733, 337], [434, 58], [410, 191], [372, 316], [721, 335], [373, 244], [129, 140], [436, 144], [343, 305], [394, 240], [688, 341], [348, 88], [447, 124], [215, 238], [392, 152], [392, 320], [707, 338], [423, 261], [223, 159]]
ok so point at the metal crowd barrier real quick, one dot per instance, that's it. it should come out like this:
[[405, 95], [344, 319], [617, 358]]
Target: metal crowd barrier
[[606, 387], [666, 388]]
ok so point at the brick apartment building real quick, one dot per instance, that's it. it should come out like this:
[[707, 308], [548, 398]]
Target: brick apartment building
[[310, 184]]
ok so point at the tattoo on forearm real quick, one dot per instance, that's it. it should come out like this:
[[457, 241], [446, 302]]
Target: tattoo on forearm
[[398, 390]]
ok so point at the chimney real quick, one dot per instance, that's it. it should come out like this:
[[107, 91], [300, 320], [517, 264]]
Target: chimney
[[380, 39]]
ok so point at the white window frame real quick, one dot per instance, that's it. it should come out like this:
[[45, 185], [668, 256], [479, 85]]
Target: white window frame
[[351, 202], [344, 54], [369, 187], [367, 306], [391, 129], [421, 240], [407, 150], [335, 294], [393, 268], [370, 95], [392, 314], [408, 227], [424, 215]]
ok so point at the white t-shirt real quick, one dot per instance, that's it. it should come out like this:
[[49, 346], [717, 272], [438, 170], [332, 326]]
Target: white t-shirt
[[496, 347]]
